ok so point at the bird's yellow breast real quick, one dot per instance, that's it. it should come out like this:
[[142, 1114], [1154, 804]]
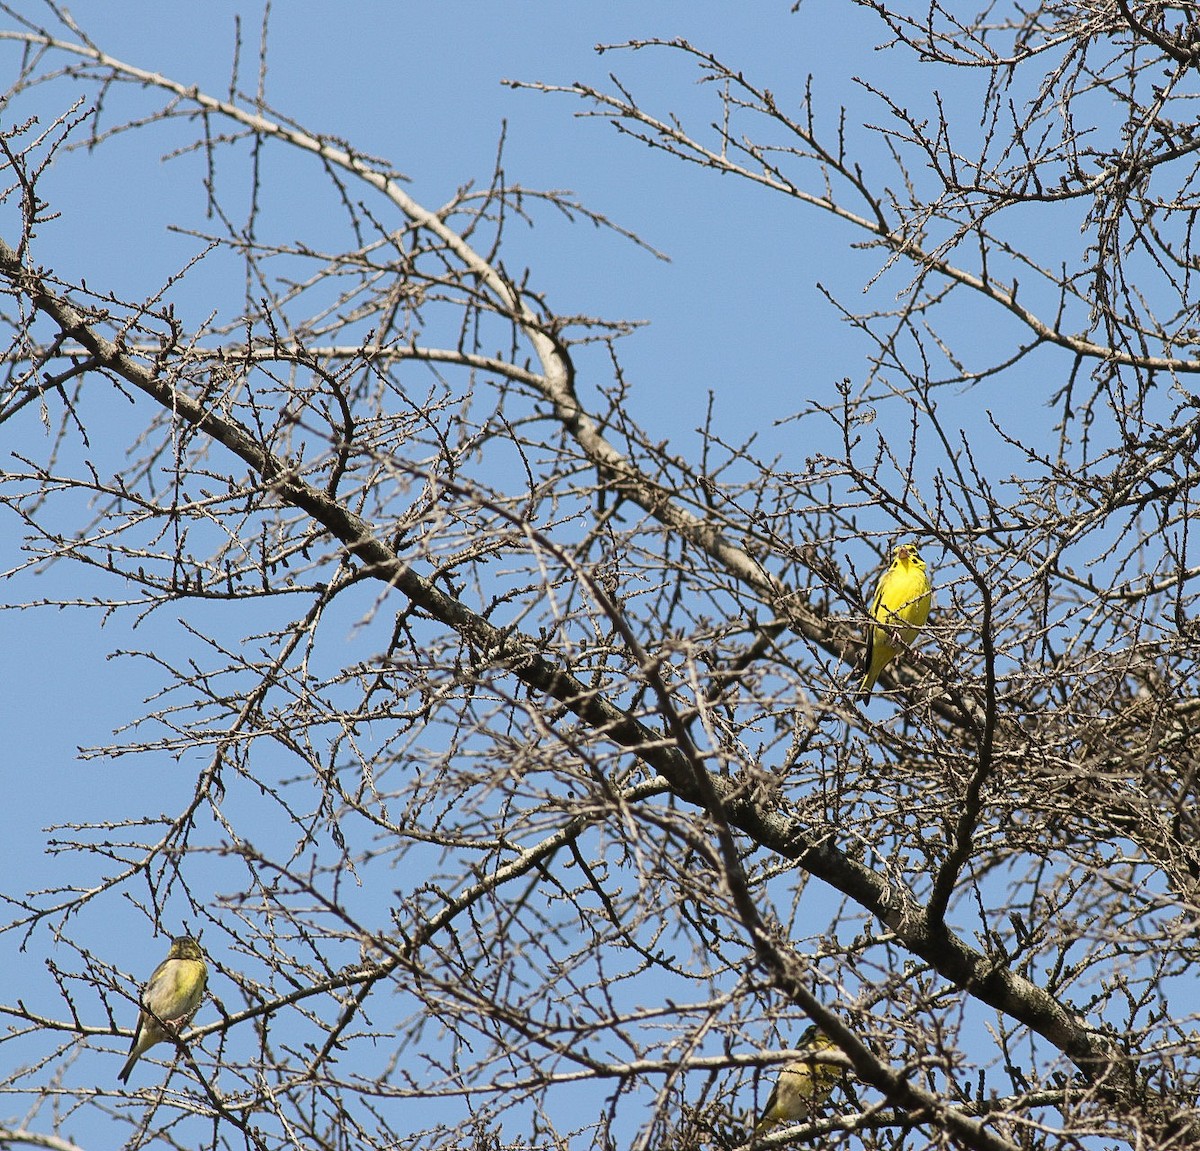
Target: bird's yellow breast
[[903, 595]]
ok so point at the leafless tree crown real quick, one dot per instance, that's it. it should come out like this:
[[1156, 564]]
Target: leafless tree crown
[[529, 799]]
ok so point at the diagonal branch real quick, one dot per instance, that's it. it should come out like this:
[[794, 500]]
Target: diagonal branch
[[507, 650], [557, 379]]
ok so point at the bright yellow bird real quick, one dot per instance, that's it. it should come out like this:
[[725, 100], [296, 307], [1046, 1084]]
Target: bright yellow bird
[[169, 999], [901, 606], [803, 1085]]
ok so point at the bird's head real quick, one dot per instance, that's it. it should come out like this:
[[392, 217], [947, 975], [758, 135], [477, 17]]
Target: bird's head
[[185, 947], [814, 1037]]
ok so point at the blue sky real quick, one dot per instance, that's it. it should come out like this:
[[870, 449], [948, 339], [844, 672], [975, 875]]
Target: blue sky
[[735, 311]]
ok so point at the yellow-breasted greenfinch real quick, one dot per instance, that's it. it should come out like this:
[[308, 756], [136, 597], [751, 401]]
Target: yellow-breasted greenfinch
[[170, 998], [901, 606], [803, 1085]]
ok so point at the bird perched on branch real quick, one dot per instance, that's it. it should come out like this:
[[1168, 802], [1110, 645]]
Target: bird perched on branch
[[803, 1085], [169, 1000], [901, 606]]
